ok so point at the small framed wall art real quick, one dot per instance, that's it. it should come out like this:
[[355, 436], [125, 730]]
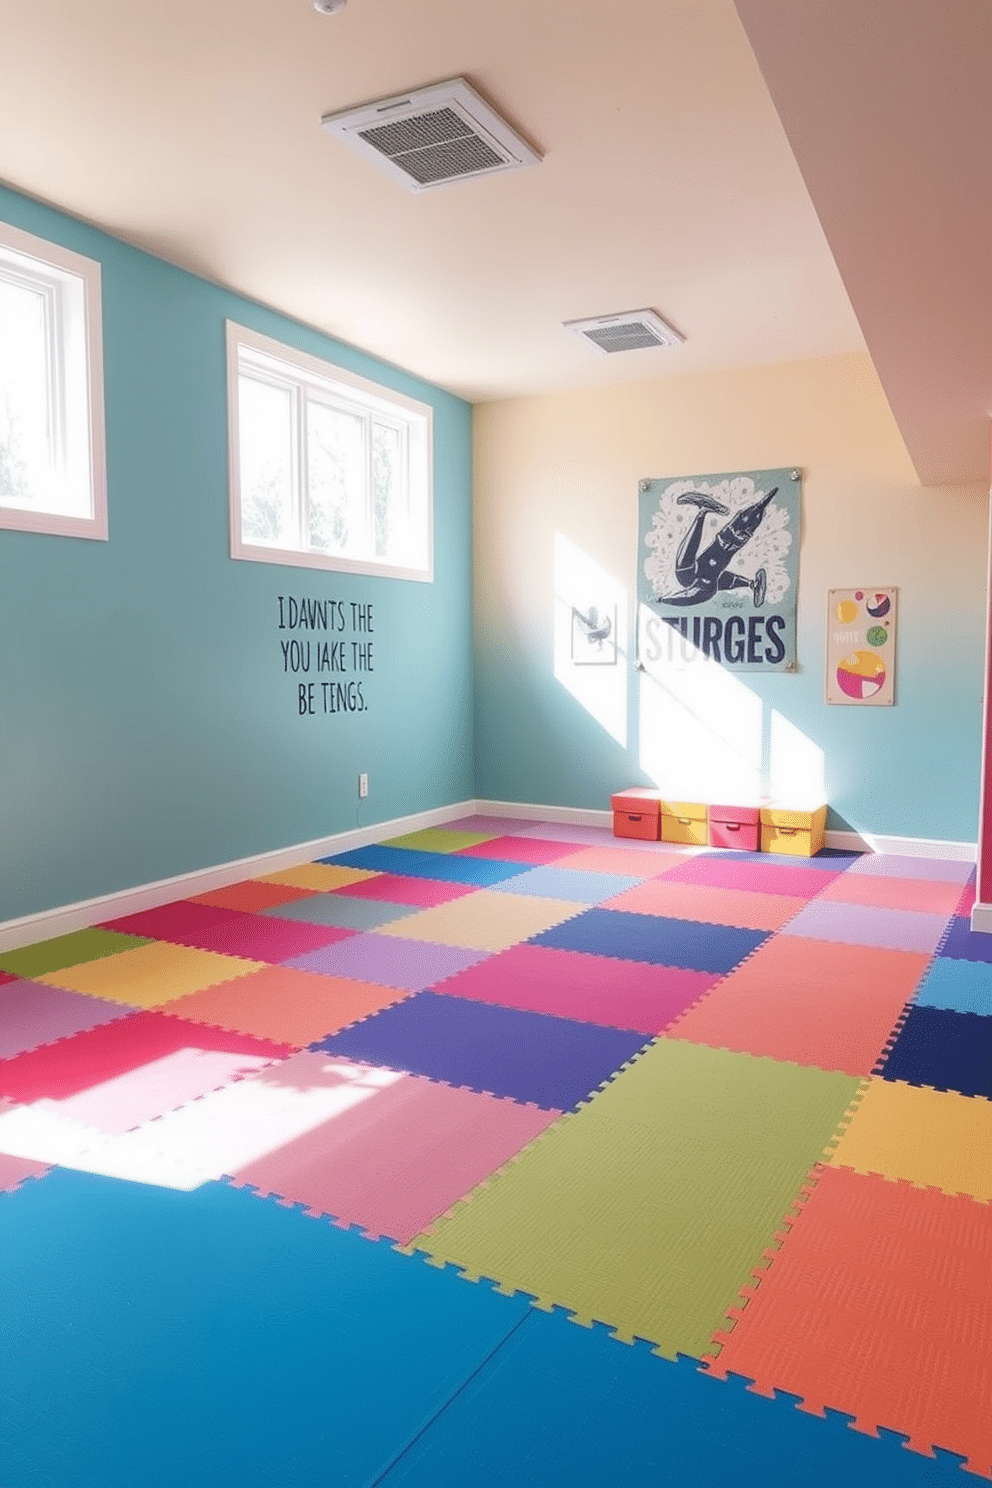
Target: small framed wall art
[[861, 646]]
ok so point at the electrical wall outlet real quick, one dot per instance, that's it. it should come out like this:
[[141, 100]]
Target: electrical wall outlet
[[363, 786]]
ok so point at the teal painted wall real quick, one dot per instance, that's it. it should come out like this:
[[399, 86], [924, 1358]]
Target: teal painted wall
[[146, 725], [560, 473]]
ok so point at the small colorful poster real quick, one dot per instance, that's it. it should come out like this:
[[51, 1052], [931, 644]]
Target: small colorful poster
[[861, 646], [717, 565]]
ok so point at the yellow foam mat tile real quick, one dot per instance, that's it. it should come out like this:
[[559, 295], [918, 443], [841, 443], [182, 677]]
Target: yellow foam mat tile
[[151, 974], [484, 921], [320, 876], [934, 1138]]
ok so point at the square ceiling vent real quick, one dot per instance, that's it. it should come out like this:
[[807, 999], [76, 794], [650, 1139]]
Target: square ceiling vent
[[630, 331], [433, 135]]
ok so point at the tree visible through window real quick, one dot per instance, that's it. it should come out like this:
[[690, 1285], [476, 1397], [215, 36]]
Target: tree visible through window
[[327, 469]]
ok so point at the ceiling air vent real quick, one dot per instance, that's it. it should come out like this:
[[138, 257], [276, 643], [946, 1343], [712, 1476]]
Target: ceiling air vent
[[432, 136], [631, 331]]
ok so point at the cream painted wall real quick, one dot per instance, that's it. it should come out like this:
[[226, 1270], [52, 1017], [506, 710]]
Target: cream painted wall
[[567, 467]]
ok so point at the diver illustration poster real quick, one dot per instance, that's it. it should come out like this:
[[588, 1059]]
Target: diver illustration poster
[[718, 561]]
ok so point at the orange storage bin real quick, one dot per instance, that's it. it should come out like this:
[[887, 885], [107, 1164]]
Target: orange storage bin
[[637, 813]]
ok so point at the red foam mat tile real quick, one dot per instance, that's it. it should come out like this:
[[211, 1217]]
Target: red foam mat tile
[[878, 1304]]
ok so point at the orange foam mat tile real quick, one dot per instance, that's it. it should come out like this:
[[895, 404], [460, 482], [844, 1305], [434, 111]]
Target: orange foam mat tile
[[151, 974], [928, 896], [320, 878], [934, 1138], [879, 1304], [715, 906], [835, 1007], [284, 1004], [253, 895]]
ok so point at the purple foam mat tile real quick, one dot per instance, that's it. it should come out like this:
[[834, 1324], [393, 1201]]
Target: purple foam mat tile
[[500, 826], [389, 961], [552, 1062], [857, 924], [32, 1014], [894, 865]]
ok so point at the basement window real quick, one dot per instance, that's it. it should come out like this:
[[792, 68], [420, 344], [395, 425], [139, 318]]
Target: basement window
[[328, 470], [52, 463]]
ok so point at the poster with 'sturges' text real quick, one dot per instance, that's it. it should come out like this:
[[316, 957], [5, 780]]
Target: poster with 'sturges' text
[[717, 568]]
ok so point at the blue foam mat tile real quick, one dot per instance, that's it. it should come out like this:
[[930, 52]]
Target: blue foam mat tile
[[553, 1062], [559, 1406], [959, 986], [961, 943], [210, 1338], [552, 882], [688, 944], [948, 1050], [442, 867]]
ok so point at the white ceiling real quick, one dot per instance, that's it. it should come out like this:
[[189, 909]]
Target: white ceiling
[[667, 181]]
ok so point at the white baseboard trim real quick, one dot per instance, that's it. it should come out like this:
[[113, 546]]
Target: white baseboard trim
[[80, 916], [87, 912], [981, 918], [906, 847]]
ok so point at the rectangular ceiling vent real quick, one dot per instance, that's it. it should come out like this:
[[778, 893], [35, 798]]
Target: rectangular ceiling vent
[[433, 135], [631, 331]]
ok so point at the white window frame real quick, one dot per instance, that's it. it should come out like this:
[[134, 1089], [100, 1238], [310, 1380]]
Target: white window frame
[[307, 376], [70, 286]]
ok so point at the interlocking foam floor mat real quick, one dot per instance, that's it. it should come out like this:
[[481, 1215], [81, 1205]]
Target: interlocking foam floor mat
[[740, 1040]]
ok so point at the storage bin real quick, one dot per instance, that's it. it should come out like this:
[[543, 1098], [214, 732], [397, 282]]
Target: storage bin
[[684, 822], [637, 813], [795, 831], [735, 826]]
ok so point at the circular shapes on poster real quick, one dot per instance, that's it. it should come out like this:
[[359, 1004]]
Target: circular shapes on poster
[[861, 675], [847, 612], [877, 635], [878, 605]]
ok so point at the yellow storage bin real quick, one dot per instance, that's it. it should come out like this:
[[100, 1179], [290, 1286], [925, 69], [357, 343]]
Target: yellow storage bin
[[795, 831], [685, 822]]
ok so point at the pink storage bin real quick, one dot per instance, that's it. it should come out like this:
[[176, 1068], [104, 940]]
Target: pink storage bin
[[735, 827]]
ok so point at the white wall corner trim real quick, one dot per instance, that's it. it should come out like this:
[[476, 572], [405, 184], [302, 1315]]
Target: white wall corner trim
[[87, 912]]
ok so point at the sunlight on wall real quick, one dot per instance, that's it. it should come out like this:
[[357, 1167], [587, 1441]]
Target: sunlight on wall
[[590, 636], [700, 726], [796, 765]]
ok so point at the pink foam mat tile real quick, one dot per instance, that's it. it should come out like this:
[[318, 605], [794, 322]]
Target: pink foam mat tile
[[121, 1074], [398, 888], [258, 937], [531, 850], [32, 1013], [640, 996], [14, 1170], [176, 921], [926, 895], [398, 1154], [743, 908], [894, 865], [772, 877]]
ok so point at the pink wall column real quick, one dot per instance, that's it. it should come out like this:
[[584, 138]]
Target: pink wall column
[[981, 915]]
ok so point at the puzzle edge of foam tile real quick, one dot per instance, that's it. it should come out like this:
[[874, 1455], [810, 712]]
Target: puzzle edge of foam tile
[[685, 822], [793, 831]]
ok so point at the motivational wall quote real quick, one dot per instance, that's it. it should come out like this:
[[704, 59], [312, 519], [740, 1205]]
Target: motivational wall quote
[[326, 647]]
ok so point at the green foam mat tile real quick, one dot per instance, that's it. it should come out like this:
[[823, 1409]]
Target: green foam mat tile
[[649, 1208], [67, 950], [436, 839]]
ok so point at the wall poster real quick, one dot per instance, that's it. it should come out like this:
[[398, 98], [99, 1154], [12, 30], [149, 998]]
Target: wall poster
[[861, 646], [717, 567]]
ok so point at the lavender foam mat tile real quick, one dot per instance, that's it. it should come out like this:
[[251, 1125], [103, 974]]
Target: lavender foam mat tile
[[894, 865], [574, 885], [857, 924], [500, 826], [32, 1014], [552, 1062], [389, 961]]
